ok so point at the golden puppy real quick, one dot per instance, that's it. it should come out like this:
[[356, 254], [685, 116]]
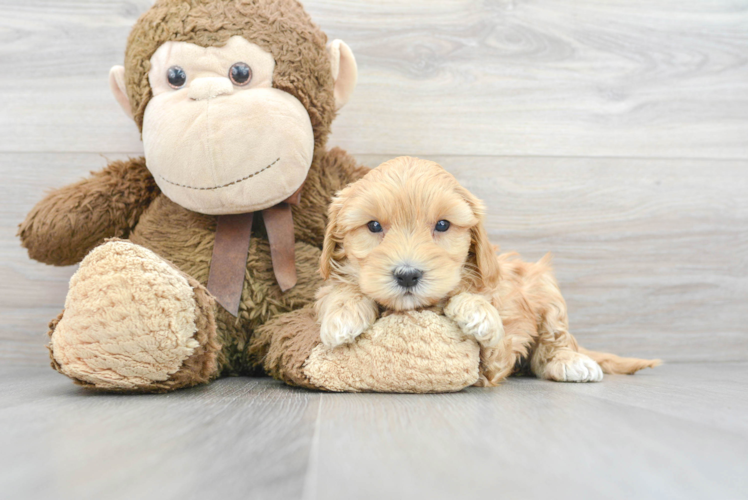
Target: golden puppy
[[409, 236]]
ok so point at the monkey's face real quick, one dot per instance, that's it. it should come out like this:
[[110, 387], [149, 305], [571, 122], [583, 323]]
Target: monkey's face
[[219, 139]]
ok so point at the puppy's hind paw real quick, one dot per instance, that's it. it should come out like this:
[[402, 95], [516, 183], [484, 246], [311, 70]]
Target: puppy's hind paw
[[476, 317], [572, 366]]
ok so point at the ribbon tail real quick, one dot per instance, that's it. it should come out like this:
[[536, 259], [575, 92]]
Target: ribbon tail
[[228, 265], [279, 225]]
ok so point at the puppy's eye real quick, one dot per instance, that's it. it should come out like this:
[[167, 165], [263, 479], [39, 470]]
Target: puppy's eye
[[375, 227], [442, 226], [240, 74], [176, 76]]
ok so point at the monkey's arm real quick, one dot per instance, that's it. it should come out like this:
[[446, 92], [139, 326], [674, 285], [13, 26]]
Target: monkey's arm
[[331, 171], [64, 226]]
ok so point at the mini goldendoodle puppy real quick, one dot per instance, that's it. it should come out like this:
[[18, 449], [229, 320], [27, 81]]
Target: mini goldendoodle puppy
[[409, 236]]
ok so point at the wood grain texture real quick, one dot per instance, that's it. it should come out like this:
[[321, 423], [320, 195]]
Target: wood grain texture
[[553, 78], [679, 431], [530, 439], [236, 439], [652, 255]]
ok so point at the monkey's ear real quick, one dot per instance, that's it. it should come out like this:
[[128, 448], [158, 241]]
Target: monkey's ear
[[344, 71], [119, 89]]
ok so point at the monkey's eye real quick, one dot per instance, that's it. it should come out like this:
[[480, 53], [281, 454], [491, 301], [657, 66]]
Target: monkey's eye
[[176, 76], [375, 227], [442, 226], [240, 74]]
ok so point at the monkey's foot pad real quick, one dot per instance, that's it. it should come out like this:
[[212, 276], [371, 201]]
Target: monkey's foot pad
[[409, 352], [129, 320]]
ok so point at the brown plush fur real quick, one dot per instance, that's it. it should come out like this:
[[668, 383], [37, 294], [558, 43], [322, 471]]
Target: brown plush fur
[[123, 200], [185, 239], [72, 220], [281, 27], [284, 344], [202, 366]]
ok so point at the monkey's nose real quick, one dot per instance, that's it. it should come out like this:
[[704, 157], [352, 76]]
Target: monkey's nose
[[209, 88], [408, 279]]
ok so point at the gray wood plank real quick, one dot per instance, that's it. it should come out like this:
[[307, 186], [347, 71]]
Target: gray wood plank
[[532, 439], [238, 438], [619, 78], [712, 395], [678, 432], [652, 255], [55, 60]]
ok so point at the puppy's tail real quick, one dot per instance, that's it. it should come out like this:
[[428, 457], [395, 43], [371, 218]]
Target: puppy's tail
[[610, 363]]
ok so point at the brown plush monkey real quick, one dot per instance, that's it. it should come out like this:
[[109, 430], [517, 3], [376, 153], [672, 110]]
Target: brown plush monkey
[[234, 100]]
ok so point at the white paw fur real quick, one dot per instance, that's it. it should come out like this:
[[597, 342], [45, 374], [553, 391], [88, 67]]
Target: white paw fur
[[573, 367], [342, 326], [476, 317], [343, 314]]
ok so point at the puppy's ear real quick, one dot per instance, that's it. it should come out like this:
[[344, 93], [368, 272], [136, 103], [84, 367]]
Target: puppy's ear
[[332, 241], [485, 256], [482, 251]]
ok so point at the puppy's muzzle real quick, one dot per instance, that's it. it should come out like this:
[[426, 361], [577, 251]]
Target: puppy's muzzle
[[408, 278]]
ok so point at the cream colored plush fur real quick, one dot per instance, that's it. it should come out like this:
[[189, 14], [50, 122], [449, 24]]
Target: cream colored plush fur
[[129, 319], [409, 352], [269, 130]]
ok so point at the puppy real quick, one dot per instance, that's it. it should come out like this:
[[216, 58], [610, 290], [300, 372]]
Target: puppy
[[409, 236]]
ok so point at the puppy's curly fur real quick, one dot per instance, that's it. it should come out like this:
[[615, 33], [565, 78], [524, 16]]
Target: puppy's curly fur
[[409, 236]]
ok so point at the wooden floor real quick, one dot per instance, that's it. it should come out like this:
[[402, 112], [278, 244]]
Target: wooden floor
[[613, 134], [677, 432]]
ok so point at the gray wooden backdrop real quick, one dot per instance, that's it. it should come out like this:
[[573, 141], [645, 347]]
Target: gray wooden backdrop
[[613, 134]]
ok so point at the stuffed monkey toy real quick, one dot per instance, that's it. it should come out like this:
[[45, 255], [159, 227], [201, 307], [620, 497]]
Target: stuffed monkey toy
[[201, 259], [185, 252]]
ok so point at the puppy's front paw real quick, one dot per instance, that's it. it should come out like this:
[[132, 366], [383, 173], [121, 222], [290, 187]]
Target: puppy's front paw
[[343, 326], [476, 317]]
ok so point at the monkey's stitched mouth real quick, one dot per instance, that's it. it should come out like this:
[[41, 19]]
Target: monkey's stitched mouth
[[223, 185]]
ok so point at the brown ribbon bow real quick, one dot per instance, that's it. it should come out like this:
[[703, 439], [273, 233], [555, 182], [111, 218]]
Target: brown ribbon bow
[[228, 265]]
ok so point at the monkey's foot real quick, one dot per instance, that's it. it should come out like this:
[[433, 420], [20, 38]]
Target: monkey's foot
[[408, 352], [133, 322]]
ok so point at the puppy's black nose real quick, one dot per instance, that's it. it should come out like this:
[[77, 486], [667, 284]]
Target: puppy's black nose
[[408, 279]]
